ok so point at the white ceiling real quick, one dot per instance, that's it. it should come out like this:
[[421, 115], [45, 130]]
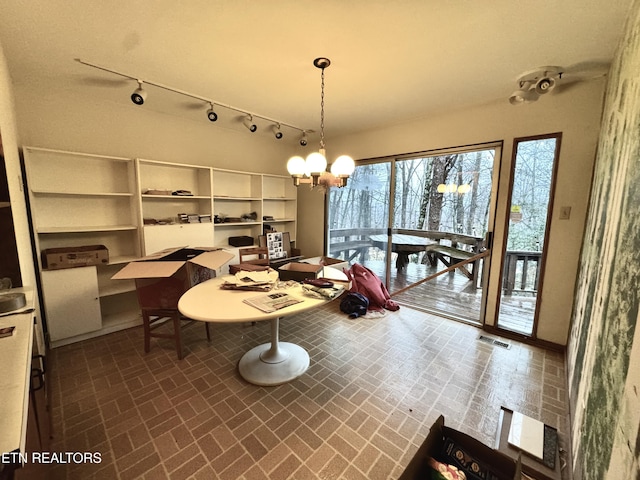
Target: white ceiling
[[392, 60]]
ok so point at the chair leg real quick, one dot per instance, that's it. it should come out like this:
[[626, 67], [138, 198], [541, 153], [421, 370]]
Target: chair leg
[[176, 327], [206, 326], [147, 331]]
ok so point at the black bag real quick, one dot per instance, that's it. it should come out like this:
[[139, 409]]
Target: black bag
[[355, 304]]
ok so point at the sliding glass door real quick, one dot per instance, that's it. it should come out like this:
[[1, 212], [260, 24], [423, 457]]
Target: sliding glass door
[[420, 223]]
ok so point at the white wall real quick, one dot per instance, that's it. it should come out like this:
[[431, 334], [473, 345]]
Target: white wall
[[89, 120], [575, 113], [14, 176]]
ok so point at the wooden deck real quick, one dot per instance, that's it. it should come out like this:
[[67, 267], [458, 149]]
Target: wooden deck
[[453, 295]]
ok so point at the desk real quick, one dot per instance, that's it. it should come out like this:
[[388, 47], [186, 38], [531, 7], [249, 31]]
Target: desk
[[15, 358], [402, 244], [271, 363]]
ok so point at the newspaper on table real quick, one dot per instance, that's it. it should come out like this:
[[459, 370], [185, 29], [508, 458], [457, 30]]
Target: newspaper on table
[[272, 301], [245, 280]]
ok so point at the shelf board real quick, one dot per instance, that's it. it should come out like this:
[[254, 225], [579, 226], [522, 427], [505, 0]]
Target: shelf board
[[175, 197], [236, 224], [86, 229], [160, 225], [252, 199], [280, 199], [280, 220], [120, 286], [54, 193]]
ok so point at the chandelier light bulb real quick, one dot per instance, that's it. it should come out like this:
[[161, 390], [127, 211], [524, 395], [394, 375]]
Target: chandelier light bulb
[[296, 166], [343, 166], [316, 163], [442, 188]]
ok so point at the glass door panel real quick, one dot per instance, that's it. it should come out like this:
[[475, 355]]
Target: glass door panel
[[529, 216], [358, 218], [441, 216]]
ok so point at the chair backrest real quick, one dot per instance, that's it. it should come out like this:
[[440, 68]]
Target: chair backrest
[[257, 255]]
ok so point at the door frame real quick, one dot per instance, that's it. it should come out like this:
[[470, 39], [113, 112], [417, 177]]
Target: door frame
[[505, 231]]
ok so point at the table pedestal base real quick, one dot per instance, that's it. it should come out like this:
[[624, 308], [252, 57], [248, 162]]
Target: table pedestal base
[[273, 363]]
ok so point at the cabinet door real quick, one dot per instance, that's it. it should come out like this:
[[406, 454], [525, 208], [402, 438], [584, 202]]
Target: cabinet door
[[159, 237], [71, 301]]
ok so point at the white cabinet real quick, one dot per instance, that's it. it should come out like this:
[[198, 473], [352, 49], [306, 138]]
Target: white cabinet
[[71, 301], [78, 199]]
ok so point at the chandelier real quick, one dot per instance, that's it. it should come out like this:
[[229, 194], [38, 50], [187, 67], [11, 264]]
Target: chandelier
[[312, 170]]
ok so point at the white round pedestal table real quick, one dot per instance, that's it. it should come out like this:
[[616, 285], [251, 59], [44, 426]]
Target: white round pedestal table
[[268, 364]]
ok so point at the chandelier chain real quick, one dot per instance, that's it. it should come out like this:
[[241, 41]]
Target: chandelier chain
[[322, 110]]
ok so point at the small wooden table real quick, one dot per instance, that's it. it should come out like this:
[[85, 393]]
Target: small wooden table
[[268, 364]]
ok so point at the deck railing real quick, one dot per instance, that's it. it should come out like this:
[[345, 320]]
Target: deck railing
[[521, 272]]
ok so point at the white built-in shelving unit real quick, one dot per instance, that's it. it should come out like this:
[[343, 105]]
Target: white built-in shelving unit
[[129, 205], [79, 199]]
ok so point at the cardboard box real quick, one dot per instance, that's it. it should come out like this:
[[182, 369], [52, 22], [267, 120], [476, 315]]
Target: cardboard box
[[162, 278], [69, 257], [456, 448], [328, 262], [299, 271]]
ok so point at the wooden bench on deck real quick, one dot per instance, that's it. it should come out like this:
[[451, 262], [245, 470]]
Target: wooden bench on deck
[[449, 255], [452, 254]]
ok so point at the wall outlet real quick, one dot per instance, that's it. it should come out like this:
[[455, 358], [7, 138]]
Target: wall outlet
[[565, 213]]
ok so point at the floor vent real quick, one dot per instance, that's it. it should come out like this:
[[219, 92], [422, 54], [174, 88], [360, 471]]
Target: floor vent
[[493, 341]]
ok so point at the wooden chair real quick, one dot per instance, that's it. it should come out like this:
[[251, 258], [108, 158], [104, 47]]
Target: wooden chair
[[153, 318], [257, 255]]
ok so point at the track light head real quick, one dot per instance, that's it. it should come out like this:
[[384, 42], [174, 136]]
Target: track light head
[[276, 131], [545, 85], [139, 95], [303, 139], [211, 115], [248, 122]]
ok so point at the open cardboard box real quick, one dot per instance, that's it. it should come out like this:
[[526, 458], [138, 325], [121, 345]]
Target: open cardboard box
[[454, 447], [162, 278], [299, 271], [327, 262]]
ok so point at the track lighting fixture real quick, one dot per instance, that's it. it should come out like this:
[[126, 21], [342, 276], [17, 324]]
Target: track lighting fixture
[[248, 122], [139, 95], [313, 169], [303, 138], [534, 83], [211, 115]]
